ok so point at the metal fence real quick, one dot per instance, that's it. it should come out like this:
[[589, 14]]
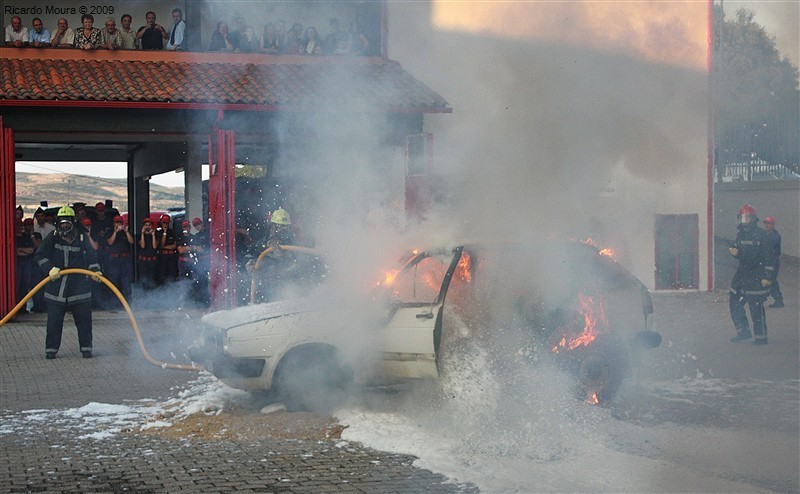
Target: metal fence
[[755, 171]]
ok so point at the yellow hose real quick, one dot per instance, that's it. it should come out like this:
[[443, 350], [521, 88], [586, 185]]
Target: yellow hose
[[265, 253], [69, 271]]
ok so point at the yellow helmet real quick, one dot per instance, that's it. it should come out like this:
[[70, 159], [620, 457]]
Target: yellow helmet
[[280, 217], [66, 211]]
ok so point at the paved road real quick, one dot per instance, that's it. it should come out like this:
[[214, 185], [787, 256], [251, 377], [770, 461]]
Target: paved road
[[49, 456]]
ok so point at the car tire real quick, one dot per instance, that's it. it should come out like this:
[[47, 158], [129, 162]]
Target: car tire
[[600, 369], [313, 379]]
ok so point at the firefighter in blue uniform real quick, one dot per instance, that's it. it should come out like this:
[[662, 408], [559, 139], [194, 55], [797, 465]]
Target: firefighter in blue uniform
[[753, 279], [67, 247]]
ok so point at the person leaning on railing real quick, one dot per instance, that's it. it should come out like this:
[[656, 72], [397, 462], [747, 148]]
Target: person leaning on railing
[[88, 37]]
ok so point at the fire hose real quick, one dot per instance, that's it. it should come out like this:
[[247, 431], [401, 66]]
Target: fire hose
[[71, 271], [265, 253]]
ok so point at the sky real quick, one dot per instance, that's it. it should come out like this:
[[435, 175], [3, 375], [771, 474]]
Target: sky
[[96, 169]]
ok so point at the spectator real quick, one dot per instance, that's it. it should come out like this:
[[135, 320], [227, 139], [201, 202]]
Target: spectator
[[64, 35], [775, 239], [19, 214], [221, 40], [16, 33], [293, 42], [39, 36], [244, 37], [281, 34], [269, 43], [24, 245], [332, 39], [146, 260], [167, 263], [200, 246], [126, 33], [111, 37], [178, 31], [185, 260], [151, 36], [119, 257], [88, 37], [359, 44], [86, 224], [312, 43], [42, 226]]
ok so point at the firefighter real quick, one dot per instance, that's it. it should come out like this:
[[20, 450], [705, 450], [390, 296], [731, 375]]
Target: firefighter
[[67, 247], [278, 262], [753, 279], [775, 237]]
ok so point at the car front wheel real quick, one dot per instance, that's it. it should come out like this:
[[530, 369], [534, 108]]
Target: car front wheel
[[313, 378]]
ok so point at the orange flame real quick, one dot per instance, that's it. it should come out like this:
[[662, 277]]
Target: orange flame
[[463, 269], [593, 314], [608, 251], [593, 399]]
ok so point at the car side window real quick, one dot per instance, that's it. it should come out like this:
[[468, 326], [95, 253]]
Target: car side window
[[422, 282]]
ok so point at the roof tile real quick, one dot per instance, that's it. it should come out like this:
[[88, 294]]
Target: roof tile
[[378, 85]]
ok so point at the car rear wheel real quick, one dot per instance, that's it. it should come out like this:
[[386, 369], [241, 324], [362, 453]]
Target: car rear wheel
[[313, 378]]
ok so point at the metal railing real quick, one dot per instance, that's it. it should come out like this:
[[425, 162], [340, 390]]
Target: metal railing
[[755, 170]]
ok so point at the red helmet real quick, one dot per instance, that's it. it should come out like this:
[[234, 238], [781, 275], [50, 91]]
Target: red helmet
[[146, 221], [747, 215], [747, 209], [118, 219], [86, 222], [164, 219], [769, 219]]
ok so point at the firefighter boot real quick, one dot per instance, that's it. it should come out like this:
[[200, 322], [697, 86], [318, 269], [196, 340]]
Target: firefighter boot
[[777, 304], [87, 354], [741, 335], [49, 355]]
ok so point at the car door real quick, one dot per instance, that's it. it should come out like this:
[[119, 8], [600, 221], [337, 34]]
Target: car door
[[413, 329]]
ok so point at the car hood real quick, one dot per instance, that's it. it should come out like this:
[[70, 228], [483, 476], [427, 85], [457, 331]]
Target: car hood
[[226, 319]]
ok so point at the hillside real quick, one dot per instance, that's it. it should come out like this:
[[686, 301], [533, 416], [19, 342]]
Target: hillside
[[58, 189]]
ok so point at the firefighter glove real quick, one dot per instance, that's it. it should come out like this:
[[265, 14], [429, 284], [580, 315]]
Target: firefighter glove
[[734, 251], [54, 274], [96, 276], [765, 282]]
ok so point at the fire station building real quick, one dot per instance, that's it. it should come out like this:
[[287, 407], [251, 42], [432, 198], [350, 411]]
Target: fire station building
[[292, 116]]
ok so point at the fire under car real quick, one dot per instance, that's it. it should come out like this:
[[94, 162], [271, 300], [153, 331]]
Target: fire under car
[[563, 301]]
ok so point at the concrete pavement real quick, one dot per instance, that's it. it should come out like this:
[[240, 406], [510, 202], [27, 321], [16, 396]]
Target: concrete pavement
[[50, 458]]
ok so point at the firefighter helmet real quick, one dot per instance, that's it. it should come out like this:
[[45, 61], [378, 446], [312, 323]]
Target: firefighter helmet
[[164, 219], [747, 214], [280, 217], [769, 219], [65, 211], [65, 219]]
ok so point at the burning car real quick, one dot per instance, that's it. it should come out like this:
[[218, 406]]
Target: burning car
[[560, 299]]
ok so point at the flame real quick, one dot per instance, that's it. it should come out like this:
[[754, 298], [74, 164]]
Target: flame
[[388, 277], [594, 315], [593, 399], [463, 270], [607, 251]]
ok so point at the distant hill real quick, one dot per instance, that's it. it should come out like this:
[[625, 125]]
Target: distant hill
[[59, 189]]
